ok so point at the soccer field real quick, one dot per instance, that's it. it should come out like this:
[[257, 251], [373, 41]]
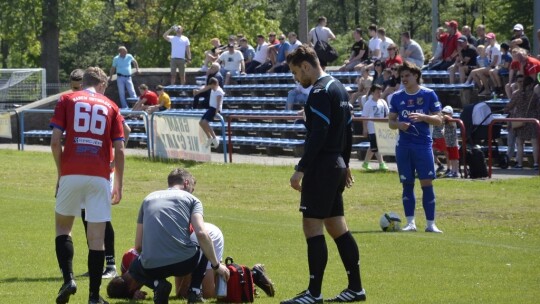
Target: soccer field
[[489, 252]]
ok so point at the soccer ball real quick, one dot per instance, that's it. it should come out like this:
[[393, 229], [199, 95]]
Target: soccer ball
[[390, 222]]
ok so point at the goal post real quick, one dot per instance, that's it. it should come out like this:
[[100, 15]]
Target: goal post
[[21, 86]]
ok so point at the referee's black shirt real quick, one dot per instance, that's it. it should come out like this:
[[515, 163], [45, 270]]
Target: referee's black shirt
[[328, 122]]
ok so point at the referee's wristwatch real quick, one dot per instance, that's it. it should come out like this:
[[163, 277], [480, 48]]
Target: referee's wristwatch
[[214, 267], [298, 168]]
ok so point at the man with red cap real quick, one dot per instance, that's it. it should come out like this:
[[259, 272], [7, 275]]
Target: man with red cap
[[450, 44]]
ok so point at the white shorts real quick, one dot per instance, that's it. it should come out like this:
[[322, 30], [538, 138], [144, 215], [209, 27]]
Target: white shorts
[[82, 191], [218, 241]]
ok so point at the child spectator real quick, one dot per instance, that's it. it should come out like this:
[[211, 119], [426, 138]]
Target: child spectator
[[439, 145], [216, 102], [450, 137], [365, 81], [163, 99], [375, 107], [501, 70], [482, 61]]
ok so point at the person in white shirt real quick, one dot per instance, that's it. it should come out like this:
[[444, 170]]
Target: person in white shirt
[[481, 75], [216, 103], [385, 43], [293, 40], [374, 44], [180, 53], [375, 107], [232, 63], [261, 55], [320, 32]]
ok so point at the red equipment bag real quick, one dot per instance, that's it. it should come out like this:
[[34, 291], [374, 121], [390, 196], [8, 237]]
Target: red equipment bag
[[240, 288]]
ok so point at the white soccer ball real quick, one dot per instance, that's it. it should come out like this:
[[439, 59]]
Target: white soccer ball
[[390, 222]]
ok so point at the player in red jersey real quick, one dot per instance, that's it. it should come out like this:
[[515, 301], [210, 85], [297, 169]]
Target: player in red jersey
[[93, 126]]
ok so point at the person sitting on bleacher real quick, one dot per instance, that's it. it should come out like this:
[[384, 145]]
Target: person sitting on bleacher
[[436, 59], [212, 55], [393, 55], [232, 62], [293, 41], [261, 54], [378, 68], [147, 99], [280, 63], [466, 61], [482, 61], [498, 72], [164, 101], [393, 83], [365, 82], [359, 52], [411, 51], [201, 96], [481, 75], [449, 48], [247, 50]]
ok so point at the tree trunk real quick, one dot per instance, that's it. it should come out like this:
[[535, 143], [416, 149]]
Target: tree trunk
[[303, 22], [50, 54], [4, 46]]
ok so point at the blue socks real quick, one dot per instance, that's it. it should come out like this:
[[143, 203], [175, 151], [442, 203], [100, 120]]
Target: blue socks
[[409, 200], [428, 201]]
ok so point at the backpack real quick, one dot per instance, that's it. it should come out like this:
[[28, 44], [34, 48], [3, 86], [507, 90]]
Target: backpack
[[476, 162], [240, 288], [325, 52]]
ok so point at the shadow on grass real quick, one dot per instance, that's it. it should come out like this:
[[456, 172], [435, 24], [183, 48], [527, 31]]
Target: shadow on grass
[[29, 280], [367, 231]]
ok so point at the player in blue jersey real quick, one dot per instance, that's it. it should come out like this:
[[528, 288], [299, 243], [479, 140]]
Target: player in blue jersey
[[412, 110], [321, 176]]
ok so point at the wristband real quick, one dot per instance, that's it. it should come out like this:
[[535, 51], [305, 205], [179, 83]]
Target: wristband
[[214, 267]]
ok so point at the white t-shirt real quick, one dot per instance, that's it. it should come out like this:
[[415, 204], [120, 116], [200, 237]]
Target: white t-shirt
[[178, 46], [374, 109], [218, 241], [375, 44], [231, 62], [213, 98], [384, 47], [261, 53], [323, 33], [493, 51], [294, 45]]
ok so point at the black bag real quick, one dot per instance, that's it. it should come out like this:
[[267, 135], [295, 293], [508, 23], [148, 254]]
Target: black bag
[[325, 51], [476, 162]]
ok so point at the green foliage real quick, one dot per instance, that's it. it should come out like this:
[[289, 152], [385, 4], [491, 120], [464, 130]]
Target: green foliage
[[487, 254]]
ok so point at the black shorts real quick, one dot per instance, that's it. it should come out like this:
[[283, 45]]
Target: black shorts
[[209, 114], [162, 109], [373, 143], [147, 276], [322, 188]]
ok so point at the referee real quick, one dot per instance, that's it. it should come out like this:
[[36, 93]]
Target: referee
[[321, 176]]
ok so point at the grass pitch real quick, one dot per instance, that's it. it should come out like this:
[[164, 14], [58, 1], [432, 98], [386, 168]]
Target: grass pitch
[[489, 252]]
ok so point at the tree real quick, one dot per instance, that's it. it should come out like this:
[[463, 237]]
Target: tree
[[50, 35]]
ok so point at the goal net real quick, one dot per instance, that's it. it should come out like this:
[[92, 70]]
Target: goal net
[[19, 86]]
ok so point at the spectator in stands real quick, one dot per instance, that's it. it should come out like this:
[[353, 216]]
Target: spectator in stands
[[511, 86], [449, 41], [261, 55], [451, 141], [378, 67], [164, 101], [298, 95], [359, 52], [385, 43], [466, 61], [320, 32], [394, 82], [232, 62], [437, 54], [293, 41], [527, 105], [526, 65], [511, 137], [519, 39], [393, 55], [212, 55], [414, 155], [365, 82], [234, 41], [374, 49], [482, 63], [466, 31], [480, 35], [180, 52], [216, 103], [375, 107], [501, 69], [272, 38], [247, 50], [121, 66], [203, 93], [146, 100], [411, 51], [439, 146], [481, 75], [280, 64]]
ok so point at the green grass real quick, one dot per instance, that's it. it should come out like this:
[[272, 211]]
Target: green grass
[[489, 252]]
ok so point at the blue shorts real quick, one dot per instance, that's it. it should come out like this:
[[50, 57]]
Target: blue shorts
[[209, 114], [415, 159]]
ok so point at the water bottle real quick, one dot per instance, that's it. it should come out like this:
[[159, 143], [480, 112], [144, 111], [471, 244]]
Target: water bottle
[[493, 96], [221, 287]]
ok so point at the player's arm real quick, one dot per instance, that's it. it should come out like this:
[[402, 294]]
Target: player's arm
[[346, 154], [56, 148], [118, 171], [434, 118], [207, 246]]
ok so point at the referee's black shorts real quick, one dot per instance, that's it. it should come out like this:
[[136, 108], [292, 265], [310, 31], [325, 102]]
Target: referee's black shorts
[[322, 187]]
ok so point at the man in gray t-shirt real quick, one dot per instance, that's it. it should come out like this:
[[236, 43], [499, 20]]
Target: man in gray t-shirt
[[411, 51], [163, 238]]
